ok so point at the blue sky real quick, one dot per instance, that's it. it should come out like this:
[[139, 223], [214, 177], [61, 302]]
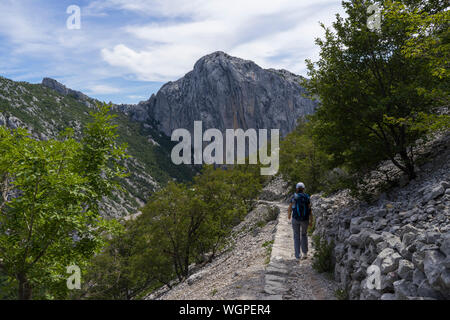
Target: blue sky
[[126, 49]]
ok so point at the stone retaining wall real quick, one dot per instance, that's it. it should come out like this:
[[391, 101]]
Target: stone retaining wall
[[405, 235]]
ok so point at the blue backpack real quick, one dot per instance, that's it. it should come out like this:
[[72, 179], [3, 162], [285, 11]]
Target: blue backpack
[[300, 208]]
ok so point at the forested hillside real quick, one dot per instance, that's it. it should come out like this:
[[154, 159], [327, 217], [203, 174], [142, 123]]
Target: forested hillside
[[46, 112]]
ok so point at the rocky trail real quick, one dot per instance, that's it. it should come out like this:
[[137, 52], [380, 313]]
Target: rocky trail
[[250, 271], [289, 279]]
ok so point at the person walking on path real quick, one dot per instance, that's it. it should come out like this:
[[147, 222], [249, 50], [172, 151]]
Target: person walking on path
[[300, 211]]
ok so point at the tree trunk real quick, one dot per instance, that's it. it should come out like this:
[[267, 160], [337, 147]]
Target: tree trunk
[[409, 165], [186, 264], [25, 291]]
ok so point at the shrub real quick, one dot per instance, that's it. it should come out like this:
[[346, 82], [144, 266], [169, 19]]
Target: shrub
[[323, 255], [341, 294]]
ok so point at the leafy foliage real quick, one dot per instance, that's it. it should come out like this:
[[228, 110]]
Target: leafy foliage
[[50, 190], [429, 37], [47, 113], [367, 84], [180, 225], [302, 160], [323, 255]]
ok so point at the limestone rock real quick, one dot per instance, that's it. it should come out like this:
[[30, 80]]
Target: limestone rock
[[405, 269], [225, 92]]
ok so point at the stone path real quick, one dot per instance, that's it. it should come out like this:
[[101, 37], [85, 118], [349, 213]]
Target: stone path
[[242, 273], [289, 279]]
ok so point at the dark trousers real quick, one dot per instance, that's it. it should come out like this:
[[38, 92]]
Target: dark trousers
[[300, 236]]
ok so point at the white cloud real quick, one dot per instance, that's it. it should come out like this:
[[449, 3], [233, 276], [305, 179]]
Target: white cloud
[[276, 34], [103, 89], [157, 8], [137, 97], [154, 40]]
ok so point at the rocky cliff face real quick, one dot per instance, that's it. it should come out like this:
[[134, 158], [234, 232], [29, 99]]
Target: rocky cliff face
[[63, 90], [406, 234], [226, 93]]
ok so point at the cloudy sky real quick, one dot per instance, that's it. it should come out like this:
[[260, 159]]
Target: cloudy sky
[[126, 49]]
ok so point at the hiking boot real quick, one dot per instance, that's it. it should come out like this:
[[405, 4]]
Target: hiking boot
[[304, 257]]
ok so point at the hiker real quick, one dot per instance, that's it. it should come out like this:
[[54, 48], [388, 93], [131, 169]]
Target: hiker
[[300, 210]]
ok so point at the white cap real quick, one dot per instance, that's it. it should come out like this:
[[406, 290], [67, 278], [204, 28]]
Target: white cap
[[300, 185]]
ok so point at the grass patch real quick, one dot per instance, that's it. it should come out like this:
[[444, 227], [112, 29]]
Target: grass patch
[[261, 224], [268, 245], [341, 294]]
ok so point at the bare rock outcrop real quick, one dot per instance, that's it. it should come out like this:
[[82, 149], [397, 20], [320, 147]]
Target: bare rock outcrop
[[226, 92]]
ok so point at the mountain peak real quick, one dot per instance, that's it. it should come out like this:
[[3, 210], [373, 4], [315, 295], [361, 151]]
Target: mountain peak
[[217, 55], [228, 92], [221, 59], [55, 85], [62, 89]]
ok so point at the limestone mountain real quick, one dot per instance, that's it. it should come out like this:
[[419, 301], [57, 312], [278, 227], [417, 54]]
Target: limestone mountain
[[226, 92]]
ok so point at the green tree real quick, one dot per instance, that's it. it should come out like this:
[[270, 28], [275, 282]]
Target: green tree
[[178, 226], [429, 40], [226, 206], [49, 216], [370, 90], [128, 267], [173, 218], [302, 160]]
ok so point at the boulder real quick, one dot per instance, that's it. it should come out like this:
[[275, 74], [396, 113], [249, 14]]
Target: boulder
[[368, 293], [445, 244], [433, 265], [387, 260], [387, 281], [355, 290], [425, 290], [432, 237], [271, 213], [380, 213], [405, 269], [418, 277], [14, 123], [408, 238], [409, 228], [404, 289], [433, 193], [388, 296], [390, 241], [359, 274], [354, 225], [417, 259], [339, 251], [381, 224], [355, 241]]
